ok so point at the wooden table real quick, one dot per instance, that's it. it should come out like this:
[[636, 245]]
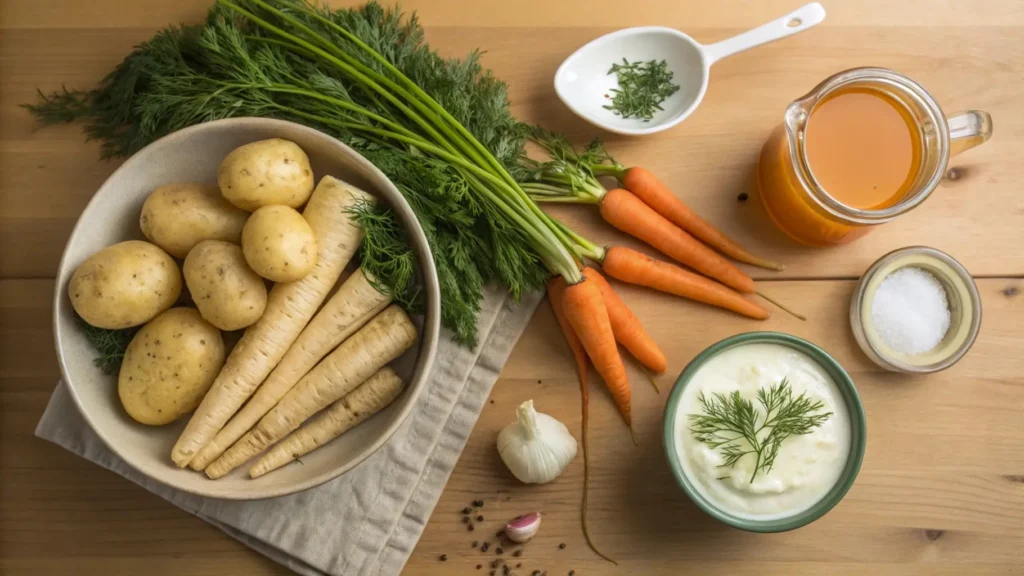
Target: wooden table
[[942, 487]]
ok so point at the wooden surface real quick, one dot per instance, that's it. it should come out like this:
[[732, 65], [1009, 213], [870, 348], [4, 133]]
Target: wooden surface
[[942, 487]]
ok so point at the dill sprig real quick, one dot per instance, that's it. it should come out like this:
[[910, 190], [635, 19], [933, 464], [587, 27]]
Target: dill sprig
[[643, 86], [110, 344], [233, 66], [737, 428]]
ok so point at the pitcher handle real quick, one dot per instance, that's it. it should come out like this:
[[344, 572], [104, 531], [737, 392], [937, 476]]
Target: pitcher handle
[[968, 129]]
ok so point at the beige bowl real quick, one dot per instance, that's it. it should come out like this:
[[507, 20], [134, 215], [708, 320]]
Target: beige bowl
[[193, 154]]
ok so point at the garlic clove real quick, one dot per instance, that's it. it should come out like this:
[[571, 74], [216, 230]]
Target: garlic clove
[[522, 528]]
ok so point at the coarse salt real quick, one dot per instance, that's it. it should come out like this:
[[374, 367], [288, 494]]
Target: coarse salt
[[910, 311]]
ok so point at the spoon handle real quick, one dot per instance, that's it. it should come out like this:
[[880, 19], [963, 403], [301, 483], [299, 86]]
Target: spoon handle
[[796, 21]]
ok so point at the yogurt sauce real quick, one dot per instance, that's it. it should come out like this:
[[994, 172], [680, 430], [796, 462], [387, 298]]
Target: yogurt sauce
[[806, 467]]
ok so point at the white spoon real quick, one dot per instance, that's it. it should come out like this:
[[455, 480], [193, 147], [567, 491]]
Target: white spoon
[[583, 82]]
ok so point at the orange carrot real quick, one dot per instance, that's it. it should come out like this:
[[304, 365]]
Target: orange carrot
[[556, 294], [648, 188], [586, 313], [627, 328], [637, 268], [622, 209]]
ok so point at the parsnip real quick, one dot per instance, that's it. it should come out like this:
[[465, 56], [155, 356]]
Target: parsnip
[[289, 308], [369, 398], [382, 340], [351, 307]]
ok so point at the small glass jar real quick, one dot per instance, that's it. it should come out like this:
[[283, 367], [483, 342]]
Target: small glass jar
[[964, 307]]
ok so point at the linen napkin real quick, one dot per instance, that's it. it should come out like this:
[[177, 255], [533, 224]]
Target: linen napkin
[[368, 520]]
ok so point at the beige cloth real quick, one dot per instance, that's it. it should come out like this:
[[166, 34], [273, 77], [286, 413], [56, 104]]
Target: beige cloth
[[367, 521]]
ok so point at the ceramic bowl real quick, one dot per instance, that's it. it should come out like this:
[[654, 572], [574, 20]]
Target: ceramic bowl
[[858, 433], [112, 215]]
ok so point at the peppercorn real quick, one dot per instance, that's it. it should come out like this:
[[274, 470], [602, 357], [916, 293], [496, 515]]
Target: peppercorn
[[480, 518], [505, 570], [743, 197], [467, 510], [471, 527], [518, 553], [465, 519], [476, 543], [561, 546], [519, 564], [444, 557], [499, 551], [484, 547], [478, 503], [479, 566], [572, 573]]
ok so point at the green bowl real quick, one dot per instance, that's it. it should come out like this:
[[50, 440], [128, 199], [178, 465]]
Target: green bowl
[[858, 434]]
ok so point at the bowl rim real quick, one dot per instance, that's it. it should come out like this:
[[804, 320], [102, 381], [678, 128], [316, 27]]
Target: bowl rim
[[858, 433], [429, 335]]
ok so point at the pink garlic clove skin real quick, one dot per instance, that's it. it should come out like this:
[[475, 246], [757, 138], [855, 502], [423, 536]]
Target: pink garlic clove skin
[[522, 528]]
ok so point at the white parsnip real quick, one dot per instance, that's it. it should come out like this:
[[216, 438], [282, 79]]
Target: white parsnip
[[289, 308], [382, 340], [355, 407], [351, 307]]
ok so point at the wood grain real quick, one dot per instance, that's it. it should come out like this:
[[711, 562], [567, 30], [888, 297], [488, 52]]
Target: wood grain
[[942, 487]]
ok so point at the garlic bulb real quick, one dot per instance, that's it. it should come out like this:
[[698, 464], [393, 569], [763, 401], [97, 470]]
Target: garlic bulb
[[536, 447]]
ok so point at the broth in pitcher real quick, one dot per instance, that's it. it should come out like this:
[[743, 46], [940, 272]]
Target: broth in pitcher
[[863, 148]]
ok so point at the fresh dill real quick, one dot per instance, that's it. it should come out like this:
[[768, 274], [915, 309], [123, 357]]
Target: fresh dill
[[110, 344], [737, 428], [643, 86], [233, 66]]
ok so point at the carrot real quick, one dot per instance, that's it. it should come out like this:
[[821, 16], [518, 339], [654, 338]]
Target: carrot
[[648, 188], [627, 328], [289, 308], [586, 313], [351, 307], [556, 294], [355, 407], [638, 268], [622, 209], [382, 340]]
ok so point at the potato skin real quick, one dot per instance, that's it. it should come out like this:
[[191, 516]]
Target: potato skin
[[176, 217], [227, 292], [169, 366], [124, 285], [278, 244], [264, 173]]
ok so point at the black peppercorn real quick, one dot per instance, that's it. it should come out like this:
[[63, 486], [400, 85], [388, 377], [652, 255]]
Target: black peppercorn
[[465, 519], [444, 557], [519, 564], [743, 197], [478, 503], [518, 553], [480, 518], [484, 547], [467, 510], [561, 546], [471, 527], [479, 566], [505, 570], [499, 551], [572, 573]]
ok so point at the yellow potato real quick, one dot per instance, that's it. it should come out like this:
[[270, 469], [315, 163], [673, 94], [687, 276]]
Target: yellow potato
[[169, 366], [176, 217], [124, 285], [267, 172], [227, 292], [278, 244]]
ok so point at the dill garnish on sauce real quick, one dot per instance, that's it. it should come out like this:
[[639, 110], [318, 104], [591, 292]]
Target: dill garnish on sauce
[[734, 426], [643, 86]]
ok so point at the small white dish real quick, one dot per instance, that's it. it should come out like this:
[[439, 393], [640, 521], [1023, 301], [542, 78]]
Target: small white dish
[[583, 81]]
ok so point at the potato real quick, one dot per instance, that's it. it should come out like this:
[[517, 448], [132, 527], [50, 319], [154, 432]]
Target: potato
[[176, 217], [227, 292], [267, 172], [169, 366], [278, 244], [124, 285]]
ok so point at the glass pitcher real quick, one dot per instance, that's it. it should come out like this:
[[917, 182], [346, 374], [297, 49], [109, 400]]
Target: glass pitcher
[[805, 211]]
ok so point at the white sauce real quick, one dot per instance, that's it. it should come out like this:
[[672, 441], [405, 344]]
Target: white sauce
[[806, 467]]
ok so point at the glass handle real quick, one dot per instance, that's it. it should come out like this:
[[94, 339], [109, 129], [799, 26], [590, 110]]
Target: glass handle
[[968, 129]]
